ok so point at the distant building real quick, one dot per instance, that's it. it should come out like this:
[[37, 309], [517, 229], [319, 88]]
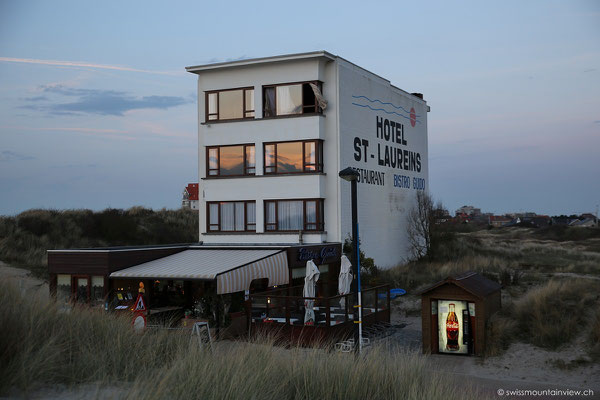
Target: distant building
[[468, 210], [539, 221], [498, 220], [190, 197], [585, 221]]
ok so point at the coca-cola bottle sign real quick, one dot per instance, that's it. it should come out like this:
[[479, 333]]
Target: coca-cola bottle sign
[[452, 330]]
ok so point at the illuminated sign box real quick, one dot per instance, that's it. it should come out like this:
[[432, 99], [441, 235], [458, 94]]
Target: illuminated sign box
[[455, 311]]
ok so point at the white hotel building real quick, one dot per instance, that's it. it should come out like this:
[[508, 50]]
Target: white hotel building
[[270, 150]]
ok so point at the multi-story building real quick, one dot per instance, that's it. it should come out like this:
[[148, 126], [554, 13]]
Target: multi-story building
[[468, 210], [273, 134]]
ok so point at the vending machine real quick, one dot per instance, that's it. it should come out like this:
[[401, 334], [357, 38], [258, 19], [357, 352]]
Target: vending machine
[[454, 327]]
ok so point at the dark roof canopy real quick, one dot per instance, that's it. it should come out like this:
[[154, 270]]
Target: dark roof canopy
[[472, 282]]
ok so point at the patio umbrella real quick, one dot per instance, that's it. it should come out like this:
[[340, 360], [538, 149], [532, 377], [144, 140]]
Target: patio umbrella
[[344, 279], [312, 276]]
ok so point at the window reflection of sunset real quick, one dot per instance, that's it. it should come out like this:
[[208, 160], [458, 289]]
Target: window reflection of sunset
[[232, 160], [289, 157]]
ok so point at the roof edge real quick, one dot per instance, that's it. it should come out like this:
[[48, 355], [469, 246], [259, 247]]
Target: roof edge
[[261, 60]]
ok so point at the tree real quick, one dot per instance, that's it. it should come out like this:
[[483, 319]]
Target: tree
[[424, 225], [419, 225]]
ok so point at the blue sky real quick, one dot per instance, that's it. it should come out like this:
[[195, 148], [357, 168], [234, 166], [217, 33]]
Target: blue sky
[[96, 110]]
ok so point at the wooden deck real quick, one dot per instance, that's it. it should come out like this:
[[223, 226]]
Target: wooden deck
[[280, 315]]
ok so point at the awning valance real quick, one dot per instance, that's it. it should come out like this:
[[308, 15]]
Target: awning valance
[[233, 269]]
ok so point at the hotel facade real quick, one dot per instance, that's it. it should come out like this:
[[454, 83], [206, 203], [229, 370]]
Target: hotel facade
[[273, 134]]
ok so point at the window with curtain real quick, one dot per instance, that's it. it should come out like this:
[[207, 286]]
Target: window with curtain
[[231, 216], [97, 295], [294, 215], [291, 99], [63, 289]]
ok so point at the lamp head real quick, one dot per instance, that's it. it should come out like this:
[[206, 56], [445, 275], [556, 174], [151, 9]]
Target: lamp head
[[348, 174]]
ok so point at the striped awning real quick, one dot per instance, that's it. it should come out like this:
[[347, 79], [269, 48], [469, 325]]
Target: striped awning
[[233, 269], [275, 268]]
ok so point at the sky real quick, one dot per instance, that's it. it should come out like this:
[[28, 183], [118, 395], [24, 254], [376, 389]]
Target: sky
[[97, 111]]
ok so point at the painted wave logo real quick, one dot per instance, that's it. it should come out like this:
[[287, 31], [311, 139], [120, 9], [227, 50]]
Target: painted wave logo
[[388, 108]]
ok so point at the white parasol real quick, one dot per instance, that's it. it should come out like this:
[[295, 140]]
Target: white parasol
[[312, 276], [344, 279]]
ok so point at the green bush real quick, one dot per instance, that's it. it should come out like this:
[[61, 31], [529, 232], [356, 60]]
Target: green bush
[[25, 238]]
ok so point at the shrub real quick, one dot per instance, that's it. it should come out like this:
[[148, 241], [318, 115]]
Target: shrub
[[25, 238]]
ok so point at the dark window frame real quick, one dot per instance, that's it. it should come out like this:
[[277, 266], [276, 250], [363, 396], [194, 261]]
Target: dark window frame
[[319, 223], [218, 169], [318, 157], [246, 223], [316, 108], [245, 111]]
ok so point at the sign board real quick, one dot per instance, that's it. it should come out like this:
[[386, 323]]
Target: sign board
[[138, 322], [451, 326], [140, 305]]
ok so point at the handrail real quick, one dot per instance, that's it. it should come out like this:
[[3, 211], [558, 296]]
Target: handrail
[[267, 294]]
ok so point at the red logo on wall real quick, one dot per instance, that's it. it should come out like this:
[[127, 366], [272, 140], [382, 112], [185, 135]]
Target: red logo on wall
[[413, 117]]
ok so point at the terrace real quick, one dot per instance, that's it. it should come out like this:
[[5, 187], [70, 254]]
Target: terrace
[[282, 312]]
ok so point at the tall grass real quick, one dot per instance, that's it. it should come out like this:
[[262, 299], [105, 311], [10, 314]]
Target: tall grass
[[553, 314], [25, 238], [41, 346], [549, 316]]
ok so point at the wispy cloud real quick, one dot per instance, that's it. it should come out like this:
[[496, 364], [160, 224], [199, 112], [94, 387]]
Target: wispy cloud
[[84, 64], [8, 155], [220, 60], [36, 98], [103, 102]]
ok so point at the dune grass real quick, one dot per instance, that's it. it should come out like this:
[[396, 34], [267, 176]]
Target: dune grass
[[42, 347], [550, 316]]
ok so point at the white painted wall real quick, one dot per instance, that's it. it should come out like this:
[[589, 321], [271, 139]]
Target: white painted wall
[[382, 209], [259, 131]]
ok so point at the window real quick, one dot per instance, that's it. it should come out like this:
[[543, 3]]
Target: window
[[293, 157], [231, 216], [291, 99], [294, 215], [230, 160], [63, 289], [230, 104], [97, 294]]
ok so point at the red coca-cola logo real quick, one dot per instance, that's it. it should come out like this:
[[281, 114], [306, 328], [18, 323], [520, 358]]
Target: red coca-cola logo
[[452, 325]]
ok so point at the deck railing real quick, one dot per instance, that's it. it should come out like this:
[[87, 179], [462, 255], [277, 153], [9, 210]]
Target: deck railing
[[277, 307]]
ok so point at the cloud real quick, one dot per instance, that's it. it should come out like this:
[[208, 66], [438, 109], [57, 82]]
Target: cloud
[[84, 64], [37, 98], [220, 60], [7, 155], [590, 70], [103, 102]]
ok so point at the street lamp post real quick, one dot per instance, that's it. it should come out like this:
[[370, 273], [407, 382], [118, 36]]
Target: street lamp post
[[349, 174]]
